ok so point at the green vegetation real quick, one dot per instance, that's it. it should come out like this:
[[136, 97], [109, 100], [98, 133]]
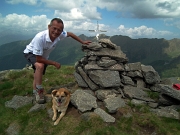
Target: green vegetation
[[39, 123], [153, 95], [173, 72]]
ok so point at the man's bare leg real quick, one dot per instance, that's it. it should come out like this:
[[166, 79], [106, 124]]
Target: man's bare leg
[[38, 73], [37, 83]]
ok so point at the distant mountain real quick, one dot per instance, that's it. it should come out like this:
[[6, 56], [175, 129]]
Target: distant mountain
[[160, 53], [147, 51], [10, 36]]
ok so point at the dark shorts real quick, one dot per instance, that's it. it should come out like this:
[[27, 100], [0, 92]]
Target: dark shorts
[[31, 58]]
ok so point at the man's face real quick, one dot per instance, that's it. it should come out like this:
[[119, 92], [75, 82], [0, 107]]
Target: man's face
[[55, 29]]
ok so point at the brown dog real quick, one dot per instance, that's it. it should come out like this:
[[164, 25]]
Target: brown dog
[[60, 102]]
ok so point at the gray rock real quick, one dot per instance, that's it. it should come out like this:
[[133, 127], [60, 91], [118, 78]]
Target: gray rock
[[92, 85], [127, 80], [105, 116], [83, 100], [80, 80], [108, 43], [92, 58], [113, 103], [166, 112], [92, 46], [150, 75], [165, 100], [94, 66], [37, 107], [140, 83], [106, 52], [134, 74], [136, 93], [89, 92], [134, 66], [138, 102], [103, 94], [13, 129], [169, 91], [152, 105], [105, 78], [156, 87], [18, 101], [106, 62]]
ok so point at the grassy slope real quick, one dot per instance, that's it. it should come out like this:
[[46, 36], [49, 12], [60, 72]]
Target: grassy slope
[[39, 123]]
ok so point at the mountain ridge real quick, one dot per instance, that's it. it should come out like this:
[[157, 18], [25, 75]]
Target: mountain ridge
[[159, 53]]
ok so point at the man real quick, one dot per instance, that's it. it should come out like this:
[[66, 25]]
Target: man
[[37, 53]]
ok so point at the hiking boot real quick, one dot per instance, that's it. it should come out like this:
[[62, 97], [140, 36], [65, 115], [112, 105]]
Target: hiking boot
[[39, 96]]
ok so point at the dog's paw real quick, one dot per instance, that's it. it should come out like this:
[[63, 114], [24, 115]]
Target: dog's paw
[[55, 123], [54, 118]]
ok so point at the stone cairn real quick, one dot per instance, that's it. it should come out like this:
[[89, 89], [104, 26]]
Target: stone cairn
[[105, 72], [106, 66]]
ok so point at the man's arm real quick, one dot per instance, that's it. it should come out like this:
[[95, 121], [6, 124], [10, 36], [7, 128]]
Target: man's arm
[[40, 59], [70, 34]]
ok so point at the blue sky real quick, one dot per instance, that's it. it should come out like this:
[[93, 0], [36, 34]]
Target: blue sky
[[133, 18]]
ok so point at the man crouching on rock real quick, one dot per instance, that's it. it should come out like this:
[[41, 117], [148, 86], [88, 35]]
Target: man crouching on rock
[[37, 53]]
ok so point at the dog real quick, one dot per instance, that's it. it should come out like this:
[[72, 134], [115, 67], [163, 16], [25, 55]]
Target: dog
[[60, 102]]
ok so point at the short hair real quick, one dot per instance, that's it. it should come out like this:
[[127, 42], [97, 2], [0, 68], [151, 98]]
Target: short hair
[[56, 19]]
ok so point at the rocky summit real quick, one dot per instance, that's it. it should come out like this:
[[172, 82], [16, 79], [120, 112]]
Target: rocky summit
[[104, 70], [107, 83]]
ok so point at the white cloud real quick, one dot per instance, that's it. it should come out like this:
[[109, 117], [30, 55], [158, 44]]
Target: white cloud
[[142, 31], [28, 2], [63, 5], [74, 10], [78, 14], [142, 9], [130, 8], [126, 8], [74, 14], [24, 23]]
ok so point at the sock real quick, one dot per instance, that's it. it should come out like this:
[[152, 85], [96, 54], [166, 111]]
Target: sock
[[39, 87]]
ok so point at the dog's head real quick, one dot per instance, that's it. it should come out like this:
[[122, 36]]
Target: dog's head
[[60, 95]]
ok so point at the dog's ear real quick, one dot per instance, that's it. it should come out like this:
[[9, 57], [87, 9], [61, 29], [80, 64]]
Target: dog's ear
[[54, 92], [66, 92]]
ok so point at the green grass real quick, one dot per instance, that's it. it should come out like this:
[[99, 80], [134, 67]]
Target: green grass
[[153, 95], [174, 72], [39, 123]]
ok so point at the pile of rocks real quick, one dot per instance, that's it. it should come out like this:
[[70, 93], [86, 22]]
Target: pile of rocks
[[106, 66], [105, 73]]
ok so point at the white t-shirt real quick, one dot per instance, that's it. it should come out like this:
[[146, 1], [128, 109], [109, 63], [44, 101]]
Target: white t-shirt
[[42, 45]]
